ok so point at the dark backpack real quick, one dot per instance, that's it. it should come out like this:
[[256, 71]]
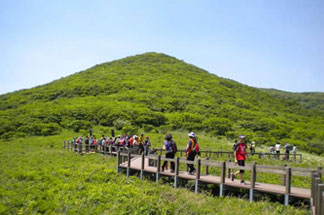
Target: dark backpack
[[235, 146], [174, 147], [195, 148]]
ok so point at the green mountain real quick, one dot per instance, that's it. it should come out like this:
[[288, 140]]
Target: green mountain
[[309, 100], [161, 93]]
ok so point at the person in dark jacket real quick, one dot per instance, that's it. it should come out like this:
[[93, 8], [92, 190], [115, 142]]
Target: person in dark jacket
[[192, 150], [169, 146]]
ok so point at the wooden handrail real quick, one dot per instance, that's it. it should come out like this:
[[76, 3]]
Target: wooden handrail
[[286, 172]]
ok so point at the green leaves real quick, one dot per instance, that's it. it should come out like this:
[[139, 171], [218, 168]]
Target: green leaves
[[156, 91]]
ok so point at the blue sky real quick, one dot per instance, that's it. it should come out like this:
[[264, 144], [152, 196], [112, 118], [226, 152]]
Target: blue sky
[[271, 44]]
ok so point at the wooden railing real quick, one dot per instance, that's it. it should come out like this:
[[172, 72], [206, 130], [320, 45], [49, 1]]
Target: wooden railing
[[230, 154], [125, 156], [317, 194], [286, 172]]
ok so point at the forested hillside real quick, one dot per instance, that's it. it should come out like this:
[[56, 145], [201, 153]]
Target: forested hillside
[[157, 92], [313, 100]]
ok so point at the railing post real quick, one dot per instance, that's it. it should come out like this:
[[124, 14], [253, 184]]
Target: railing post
[[316, 201], [110, 150], [320, 206], [118, 161], [128, 164], [176, 172], [80, 148], [142, 165], [322, 203], [253, 179], [283, 177], [158, 169], [64, 146], [317, 181], [288, 185], [229, 170], [197, 176], [223, 175], [319, 169], [207, 167], [313, 188]]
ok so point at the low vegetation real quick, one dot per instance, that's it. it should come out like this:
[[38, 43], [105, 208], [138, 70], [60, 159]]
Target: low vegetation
[[156, 92], [39, 177]]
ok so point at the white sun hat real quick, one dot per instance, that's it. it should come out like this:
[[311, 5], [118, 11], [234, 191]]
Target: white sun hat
[[191, 134]]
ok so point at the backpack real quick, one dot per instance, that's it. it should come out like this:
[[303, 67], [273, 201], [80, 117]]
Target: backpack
[[174, 147], [195, 148], [235, 146]]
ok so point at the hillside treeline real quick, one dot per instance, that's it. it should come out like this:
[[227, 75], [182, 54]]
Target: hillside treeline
[[157, 92]]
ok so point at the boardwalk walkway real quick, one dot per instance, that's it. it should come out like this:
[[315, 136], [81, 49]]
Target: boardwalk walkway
[[263, 187]]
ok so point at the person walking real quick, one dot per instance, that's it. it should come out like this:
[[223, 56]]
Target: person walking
[[87, 141], [191, 151], [252, 148], [169, 152], [240, 156], [277, 147], [147, 144], [294, 151], [287, 148]]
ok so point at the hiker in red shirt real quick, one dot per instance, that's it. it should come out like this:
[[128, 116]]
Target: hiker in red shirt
[[240, 155]]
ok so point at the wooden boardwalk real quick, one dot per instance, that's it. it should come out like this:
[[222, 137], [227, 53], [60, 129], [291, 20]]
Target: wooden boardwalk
[[129, 159], [263, 187]]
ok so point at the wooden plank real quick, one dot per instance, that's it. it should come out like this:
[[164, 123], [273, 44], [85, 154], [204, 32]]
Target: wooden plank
[[300, 173], [288, 185], [263, 187], [187, 161], [198, 166], [319, 169], [158, 169], [236, 166], [211, 163], [142, 165], [322, 203], [177, 166], [268, 170], [253, 175], [152, 157], [118, 161], [320, 209], [222, 179], [128, 164], [270, 167], [168, 159], [206, 166]]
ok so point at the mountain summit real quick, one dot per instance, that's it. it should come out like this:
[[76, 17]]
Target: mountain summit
[[157, 92]]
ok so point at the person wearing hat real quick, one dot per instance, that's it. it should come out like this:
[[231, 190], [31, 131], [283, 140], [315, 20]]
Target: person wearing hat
[[191, 151], [147, 144], [169, 152], [252, 148], [240, 155]]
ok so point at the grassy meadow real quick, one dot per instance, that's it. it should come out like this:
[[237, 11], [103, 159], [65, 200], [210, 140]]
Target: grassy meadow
[[39, 177]]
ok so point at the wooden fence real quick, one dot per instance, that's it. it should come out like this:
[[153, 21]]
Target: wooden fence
[[230, 154], [317, 195], [130, 160]]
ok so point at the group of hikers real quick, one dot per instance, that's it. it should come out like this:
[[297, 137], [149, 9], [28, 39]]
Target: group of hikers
[[276, 150], [129, 141], [143, 144], [191, 150]]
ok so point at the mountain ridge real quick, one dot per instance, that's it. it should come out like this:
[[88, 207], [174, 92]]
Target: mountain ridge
[[155, 91]]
